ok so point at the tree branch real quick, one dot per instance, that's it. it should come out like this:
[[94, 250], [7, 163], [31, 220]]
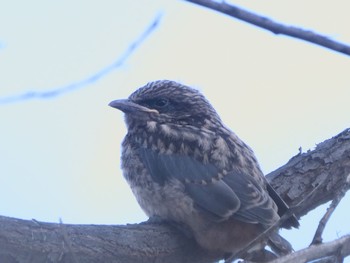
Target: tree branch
[[322, 224], [33, 241], [339, 247], [90, 79], [274, 27], [322, 172]]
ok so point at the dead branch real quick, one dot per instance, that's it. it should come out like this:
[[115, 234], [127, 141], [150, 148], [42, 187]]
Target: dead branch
[[322, 224], [322, 172]]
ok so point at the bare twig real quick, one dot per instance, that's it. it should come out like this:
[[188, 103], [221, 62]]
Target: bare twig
[[89, 80], [339, 247], [322, 224], [274, 27], [263, 236]]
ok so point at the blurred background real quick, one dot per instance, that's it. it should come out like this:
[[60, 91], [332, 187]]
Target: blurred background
[[62, 62]]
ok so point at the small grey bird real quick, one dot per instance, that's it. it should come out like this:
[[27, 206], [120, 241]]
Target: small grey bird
[[185, 166]]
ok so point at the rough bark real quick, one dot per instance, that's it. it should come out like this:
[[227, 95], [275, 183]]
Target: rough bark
[[315, 177], [322, 172], [33, 241]]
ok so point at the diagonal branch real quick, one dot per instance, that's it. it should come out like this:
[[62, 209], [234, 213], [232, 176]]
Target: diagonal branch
[[274, 27], [322, 224], [90, 79], [323, 171]]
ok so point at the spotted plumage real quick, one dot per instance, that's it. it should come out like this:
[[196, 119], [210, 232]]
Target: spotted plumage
[[185, 166]]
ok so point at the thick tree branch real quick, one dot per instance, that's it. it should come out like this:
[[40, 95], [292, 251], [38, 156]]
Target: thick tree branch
[[274, 27], [33, 241], [322, 172]]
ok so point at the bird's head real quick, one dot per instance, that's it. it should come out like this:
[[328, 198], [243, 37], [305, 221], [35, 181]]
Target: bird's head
[[167, 102]]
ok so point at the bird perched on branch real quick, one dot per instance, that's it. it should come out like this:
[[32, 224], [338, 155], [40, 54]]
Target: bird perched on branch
[[184, 166]]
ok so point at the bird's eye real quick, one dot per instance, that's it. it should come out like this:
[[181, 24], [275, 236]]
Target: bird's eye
[[161, 103]]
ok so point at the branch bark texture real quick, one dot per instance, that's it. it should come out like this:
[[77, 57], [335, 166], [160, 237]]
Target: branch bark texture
[[33, 241], [321, 172], [315, 177]]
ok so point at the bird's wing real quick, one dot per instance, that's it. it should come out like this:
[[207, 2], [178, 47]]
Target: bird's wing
[[233, 194]]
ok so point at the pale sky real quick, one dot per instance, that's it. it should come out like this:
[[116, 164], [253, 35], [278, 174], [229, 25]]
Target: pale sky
[[60, 155]]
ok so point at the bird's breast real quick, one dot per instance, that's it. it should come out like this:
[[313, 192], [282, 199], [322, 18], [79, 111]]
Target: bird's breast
[[166, 200]]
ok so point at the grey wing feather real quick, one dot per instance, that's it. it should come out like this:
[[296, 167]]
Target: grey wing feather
[[236, 194], [217, 198], [256, 204]]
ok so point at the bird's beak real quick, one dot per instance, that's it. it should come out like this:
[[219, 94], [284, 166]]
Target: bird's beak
[[128, 106]]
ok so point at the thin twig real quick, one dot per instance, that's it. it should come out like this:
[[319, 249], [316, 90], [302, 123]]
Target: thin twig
[[290, 212], [274, 27], [89, 80], [322, 224], [262, 236]]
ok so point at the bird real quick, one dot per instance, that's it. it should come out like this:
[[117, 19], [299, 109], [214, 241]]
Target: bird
[[185, 166]]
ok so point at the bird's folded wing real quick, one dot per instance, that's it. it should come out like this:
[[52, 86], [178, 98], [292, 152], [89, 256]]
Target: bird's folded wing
[[233, 194]]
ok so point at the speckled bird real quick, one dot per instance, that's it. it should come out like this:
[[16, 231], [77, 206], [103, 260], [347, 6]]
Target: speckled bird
[[185, 166]]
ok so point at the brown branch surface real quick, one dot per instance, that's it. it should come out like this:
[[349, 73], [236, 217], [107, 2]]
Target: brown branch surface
[[274, 27], [322, 172]]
